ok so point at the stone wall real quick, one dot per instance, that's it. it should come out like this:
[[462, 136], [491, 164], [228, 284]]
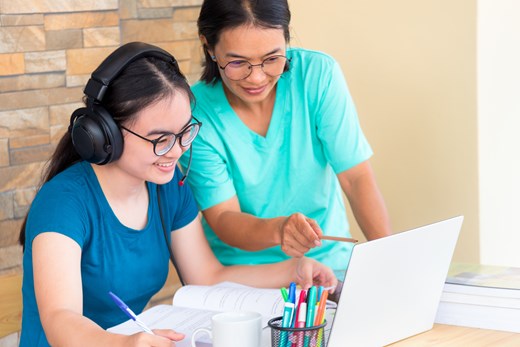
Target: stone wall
[[48, 48]]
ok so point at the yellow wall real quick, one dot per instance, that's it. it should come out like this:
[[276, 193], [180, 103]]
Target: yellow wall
[[411, 68]]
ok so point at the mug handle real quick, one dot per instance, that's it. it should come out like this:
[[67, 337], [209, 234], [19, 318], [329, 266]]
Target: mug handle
[[200, 330]]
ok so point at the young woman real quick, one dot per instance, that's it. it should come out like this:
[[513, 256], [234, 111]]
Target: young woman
[[110, 201], [281, 142]]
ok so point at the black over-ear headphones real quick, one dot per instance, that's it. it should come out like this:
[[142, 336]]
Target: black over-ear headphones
[[95, 135]]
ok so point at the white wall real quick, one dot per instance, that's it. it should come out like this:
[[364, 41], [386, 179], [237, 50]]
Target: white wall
[[499, 130]]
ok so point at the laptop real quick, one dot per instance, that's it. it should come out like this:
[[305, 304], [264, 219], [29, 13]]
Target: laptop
[[393, 286]]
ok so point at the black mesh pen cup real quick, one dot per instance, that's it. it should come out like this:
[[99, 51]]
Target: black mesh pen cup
[[315, 336]]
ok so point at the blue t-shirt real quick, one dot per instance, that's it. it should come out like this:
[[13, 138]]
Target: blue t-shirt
[[314, 134], [131, 263]]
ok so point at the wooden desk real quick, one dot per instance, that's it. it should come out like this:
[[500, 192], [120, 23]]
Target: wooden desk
[[455, 336], [10, 304]]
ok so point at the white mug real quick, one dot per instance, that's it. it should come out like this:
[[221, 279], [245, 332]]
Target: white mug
[[233, 329]]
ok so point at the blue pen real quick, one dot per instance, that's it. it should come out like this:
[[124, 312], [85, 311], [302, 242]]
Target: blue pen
[[120, 303], [292, 298], [292, 293]]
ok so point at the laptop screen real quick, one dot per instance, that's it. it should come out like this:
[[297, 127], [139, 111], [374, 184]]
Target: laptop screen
[[393, 285]]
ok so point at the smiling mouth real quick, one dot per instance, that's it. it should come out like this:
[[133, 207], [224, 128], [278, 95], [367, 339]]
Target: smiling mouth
[[255, 90], [165, 164]]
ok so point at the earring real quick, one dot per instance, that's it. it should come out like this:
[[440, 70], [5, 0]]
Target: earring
[[213, 57]]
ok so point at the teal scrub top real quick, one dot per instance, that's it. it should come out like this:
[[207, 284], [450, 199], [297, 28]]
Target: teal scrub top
[[313, 135]]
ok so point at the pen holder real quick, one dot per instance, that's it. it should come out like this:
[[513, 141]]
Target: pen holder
[[315, 336]]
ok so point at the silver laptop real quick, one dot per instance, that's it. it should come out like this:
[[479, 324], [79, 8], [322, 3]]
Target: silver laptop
[[393, 286]]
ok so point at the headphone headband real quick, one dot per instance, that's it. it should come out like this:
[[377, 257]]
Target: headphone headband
[[95, 135], [112, 66]]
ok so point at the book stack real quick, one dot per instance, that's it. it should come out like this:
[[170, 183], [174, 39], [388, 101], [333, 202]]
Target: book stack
[[481, 296]]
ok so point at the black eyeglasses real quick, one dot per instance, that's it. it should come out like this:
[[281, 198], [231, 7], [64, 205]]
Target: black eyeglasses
[[164, 143], [237, 70]]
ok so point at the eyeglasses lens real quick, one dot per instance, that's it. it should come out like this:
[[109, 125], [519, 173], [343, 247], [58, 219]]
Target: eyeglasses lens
[[164, 144], [189, 134], [240, 69]]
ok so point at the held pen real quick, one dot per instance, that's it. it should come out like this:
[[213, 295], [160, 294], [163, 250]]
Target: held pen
[[120, 303], [338, 238]]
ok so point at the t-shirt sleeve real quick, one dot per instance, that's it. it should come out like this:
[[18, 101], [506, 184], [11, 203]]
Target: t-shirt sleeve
[[338, 126], [180, 199], [57, 209]]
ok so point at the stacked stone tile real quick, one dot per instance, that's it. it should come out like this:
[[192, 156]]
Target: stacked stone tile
[[47, 50]]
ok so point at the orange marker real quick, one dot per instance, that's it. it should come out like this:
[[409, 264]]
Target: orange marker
[[320, 315]]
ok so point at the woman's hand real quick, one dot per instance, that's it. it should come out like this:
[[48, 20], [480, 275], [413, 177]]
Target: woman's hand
[[311, 272], [299, 234], [162, 338]]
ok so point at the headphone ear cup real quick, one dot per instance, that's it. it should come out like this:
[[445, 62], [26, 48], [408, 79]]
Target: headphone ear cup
[[114, 137], [95, 135]]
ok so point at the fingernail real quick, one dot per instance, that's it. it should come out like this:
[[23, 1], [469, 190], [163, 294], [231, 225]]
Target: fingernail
[[317, 242]]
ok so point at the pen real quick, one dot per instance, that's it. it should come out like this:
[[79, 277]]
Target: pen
[[290, 310], [302, 298], [320, 315], [337, 238], [287, 317], [311, 306], [301, 314], [120, 303], [298, 318], [285, 294], [292, 293], [318, 297]]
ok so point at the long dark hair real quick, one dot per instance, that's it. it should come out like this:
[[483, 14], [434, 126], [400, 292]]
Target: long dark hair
[[140, 84], [218, 15]]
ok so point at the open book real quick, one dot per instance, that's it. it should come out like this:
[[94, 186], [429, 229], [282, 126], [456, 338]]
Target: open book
[[193, 307]]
